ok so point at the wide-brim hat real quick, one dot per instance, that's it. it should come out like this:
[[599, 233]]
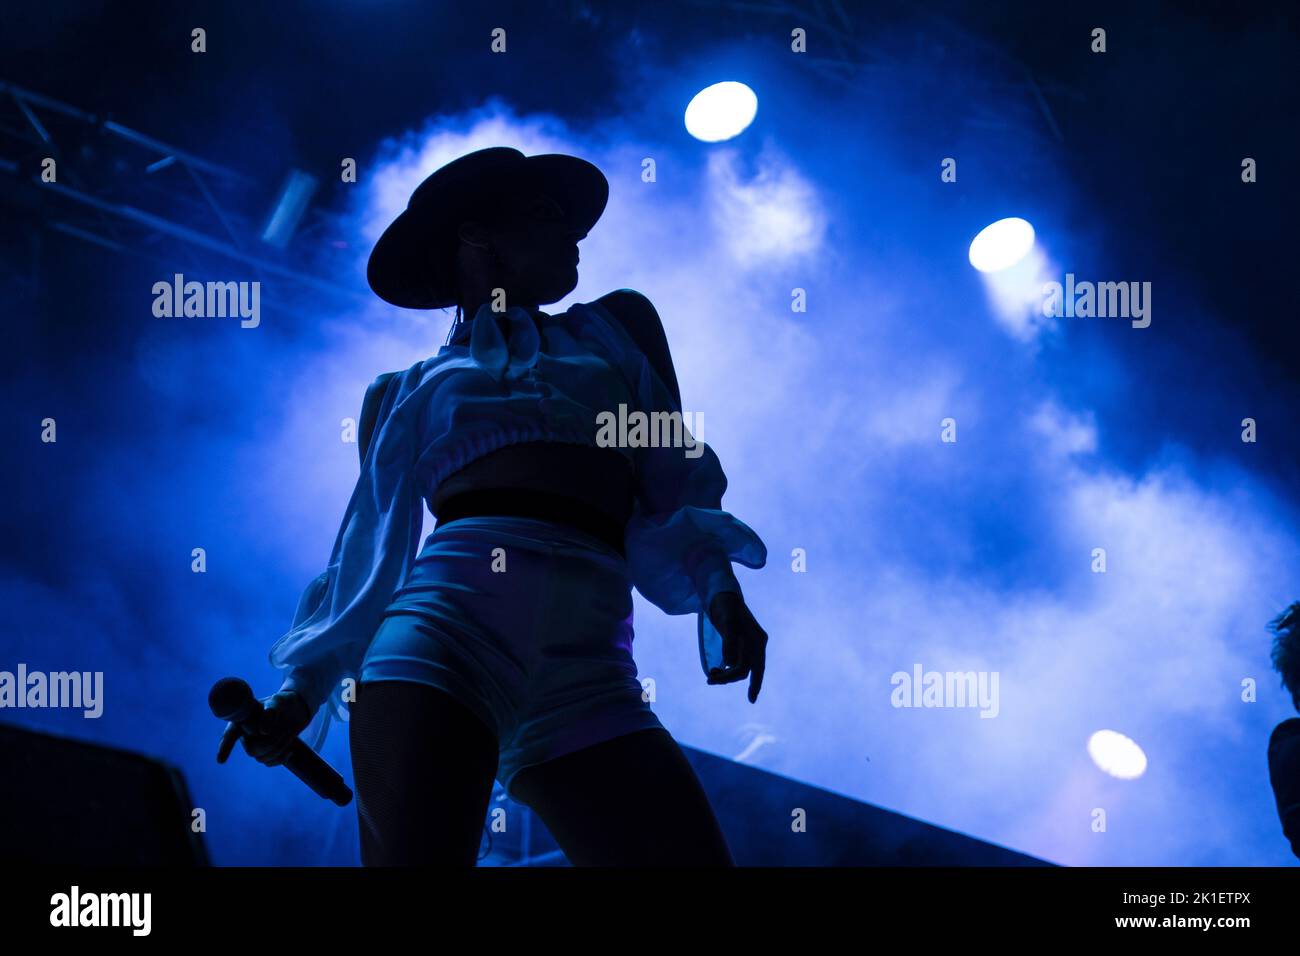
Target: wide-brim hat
[[413, 264]]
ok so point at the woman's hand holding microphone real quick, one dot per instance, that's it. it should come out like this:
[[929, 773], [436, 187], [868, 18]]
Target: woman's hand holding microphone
[[283, 717]]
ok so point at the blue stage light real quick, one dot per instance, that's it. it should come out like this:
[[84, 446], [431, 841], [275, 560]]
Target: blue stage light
[[1001, 245], [721, 111], [292, 202], [1117, 755]]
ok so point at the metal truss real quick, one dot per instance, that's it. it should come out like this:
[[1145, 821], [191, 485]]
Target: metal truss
[[130, 193]]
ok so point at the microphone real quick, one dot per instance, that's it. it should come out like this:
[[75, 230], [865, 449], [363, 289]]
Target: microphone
[[232, 699]]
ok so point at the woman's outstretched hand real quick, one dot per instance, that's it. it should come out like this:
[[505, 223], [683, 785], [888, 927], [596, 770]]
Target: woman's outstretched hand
[[744, 643], [283, 718]]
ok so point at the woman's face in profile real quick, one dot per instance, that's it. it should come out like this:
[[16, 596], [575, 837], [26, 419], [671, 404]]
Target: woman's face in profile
[[538, 251]]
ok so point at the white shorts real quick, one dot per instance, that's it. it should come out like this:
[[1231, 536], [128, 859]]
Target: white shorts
[[528, 624]]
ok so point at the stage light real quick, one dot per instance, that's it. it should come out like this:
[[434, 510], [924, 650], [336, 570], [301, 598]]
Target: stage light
[[289, 207], [1117, 755], [721, 111], [1001, 245]]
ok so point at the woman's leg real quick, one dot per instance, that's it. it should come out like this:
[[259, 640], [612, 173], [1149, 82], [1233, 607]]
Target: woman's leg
[[423, 765], [630, 801]]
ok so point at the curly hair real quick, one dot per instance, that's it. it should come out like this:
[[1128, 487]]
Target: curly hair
[[1286, 649]]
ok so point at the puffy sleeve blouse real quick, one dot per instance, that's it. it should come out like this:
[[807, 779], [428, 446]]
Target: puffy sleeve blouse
[[679, 542]]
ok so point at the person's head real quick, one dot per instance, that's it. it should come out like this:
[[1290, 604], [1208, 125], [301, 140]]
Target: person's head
[[491, 219], [527, 247], [1286, 650]]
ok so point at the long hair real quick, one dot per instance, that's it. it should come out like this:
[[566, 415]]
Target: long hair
[[1286, 649], [460, 310], [455, 325]]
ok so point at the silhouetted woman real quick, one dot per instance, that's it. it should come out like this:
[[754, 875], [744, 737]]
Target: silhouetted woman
[[503, 648], [1284, 742]]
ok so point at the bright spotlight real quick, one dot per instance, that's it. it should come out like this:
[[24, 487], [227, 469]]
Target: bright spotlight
[[1117, 755], [1001, 245], [721, 111]]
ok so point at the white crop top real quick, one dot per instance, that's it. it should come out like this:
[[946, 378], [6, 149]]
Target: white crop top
[[469, 400]]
